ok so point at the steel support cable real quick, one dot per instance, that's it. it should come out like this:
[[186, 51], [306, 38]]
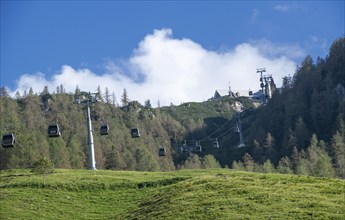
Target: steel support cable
[[221, 135], [209, 136], [225, 133], [218, 129]]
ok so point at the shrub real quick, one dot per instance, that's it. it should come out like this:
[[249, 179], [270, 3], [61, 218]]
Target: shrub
[[43, 167]]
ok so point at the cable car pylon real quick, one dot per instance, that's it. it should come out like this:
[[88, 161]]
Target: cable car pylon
[[240, 130], [88, 101]]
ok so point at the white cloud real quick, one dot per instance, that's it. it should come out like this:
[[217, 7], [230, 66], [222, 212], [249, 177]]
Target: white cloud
[[287, 7], [316, 42], [268, 49], [283, 8], [166, 69]]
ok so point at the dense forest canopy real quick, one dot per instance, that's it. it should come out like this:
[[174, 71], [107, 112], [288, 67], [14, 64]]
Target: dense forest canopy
[[301, 130]]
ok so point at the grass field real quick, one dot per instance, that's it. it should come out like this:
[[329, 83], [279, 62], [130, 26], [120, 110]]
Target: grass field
[[185, 194]]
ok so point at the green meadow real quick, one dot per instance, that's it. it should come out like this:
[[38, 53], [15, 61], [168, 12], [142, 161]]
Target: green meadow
[[184, 194]]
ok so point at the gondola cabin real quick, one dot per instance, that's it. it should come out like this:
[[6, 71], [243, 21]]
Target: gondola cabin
[[104, 130], [54, 130], [8, 140], [198, 148], [237, 129], [215, 144], [184, 148], [135, 133], [162, 152]]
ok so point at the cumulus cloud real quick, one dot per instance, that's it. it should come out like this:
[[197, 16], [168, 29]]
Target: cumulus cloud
[[170, 70]]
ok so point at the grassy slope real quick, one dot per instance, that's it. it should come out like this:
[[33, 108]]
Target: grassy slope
[[203, 194]]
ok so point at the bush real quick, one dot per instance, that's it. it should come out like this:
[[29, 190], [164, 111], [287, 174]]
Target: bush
[[43, 167]]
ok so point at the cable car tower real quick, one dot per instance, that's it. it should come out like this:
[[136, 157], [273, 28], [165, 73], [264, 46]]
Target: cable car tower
[[266, 84], [87, 101], [239, 127]]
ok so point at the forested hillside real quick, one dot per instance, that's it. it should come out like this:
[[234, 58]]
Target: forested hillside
[[301, 130], [29, 117]]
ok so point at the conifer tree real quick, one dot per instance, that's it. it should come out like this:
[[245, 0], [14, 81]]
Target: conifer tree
[[114, 161], [237, 165], [320, 164], [248, 162], [77, 92], [295, 157], [192, 162], [269, 146], [145, 160], [76, 154], [258, 152], [338, 149], [148, 104], [284, 166], [31, 92], [17, 95], [209, 161], [3, 92], [114, 100], [107, 95], [124, 98], [302, 133], [62, 89], [302, 167], [99, 95], [268, 167]]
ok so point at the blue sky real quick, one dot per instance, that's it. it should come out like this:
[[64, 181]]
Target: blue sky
[[167, 51]]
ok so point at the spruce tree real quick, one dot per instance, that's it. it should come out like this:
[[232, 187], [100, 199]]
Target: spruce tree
[[124, 98], [320, 164], [248, 162], [268, 167], [284, 166], [338, 150], [209, 161], [192, 162]]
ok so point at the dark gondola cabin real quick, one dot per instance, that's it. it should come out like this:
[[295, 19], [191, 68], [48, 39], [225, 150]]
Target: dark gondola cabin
[[8, 140], [237, 129], [104, 130], [54, 131], [184, 148], [162, 152], [215, 144], [198, 148], [135, 133]]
